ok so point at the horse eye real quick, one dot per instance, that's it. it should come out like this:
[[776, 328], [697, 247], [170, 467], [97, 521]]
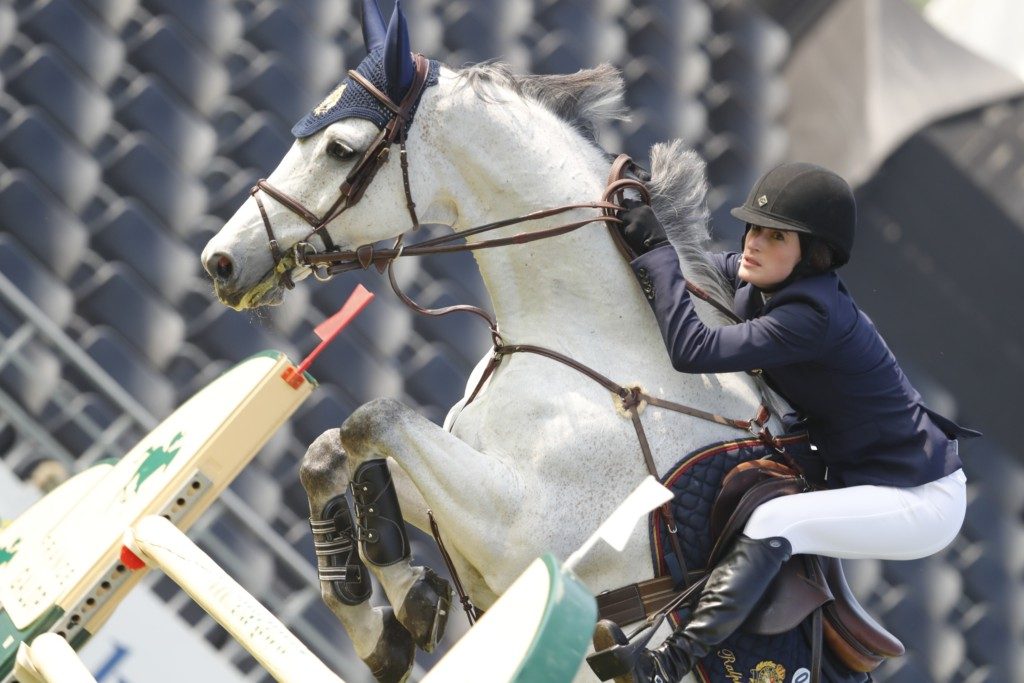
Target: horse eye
[[339, 151]]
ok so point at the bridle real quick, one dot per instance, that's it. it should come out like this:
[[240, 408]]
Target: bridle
[[333, 261], [357, 180]]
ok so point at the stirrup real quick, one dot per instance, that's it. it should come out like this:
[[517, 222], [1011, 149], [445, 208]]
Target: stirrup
[[618, 656], [620, 652]]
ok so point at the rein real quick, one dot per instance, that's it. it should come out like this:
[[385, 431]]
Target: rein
[[333, 261]]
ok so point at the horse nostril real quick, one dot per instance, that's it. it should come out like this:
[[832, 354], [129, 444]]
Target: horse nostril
[[223, 268]]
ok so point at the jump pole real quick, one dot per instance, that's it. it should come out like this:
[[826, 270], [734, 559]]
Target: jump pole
[[157, 543], [50, 659]]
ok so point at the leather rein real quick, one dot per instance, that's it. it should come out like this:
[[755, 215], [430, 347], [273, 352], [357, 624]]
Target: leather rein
[[333, 261]]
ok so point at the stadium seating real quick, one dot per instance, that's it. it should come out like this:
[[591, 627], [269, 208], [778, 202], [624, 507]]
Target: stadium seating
[[124, 364], [8, 24], [139, 167], [87, 42], [269, 84], [326, 409], [162, 48], [215, 24], [117, 297], [149, 106], [357, 371], [260, 143], [40, 223], [32, 381], [312, 58], [46, 291], [128, 233], [131, 130], [82, 424], [30, 140], [434, 379], [228, 334], [114, 13], [46, 78]]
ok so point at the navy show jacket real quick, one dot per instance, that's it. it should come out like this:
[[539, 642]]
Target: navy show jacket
[[824, 355]]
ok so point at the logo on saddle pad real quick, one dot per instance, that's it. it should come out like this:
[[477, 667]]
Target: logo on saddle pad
[[155, 459], [766, 671]]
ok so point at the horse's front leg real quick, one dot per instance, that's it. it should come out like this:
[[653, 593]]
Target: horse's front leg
[[469, 493], [383, 644]]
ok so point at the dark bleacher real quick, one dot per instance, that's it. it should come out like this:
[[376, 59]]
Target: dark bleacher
[[117, 297], [162, 48], [147, 105], [41, 223], [30, 276], [32, 141], [151, 388], [131, 130], [138, 167], [45, 77], [129, 233], [68, 26]]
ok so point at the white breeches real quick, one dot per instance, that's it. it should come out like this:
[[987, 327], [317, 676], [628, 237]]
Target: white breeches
[[881, 522]]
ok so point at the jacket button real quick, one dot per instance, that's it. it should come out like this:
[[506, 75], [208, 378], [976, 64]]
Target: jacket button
[[642, 271]]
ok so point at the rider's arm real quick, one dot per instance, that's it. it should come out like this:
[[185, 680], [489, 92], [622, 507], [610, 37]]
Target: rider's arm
[[789, 333]]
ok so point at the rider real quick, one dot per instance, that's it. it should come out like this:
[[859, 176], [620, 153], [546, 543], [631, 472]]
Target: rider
[[894, 487]]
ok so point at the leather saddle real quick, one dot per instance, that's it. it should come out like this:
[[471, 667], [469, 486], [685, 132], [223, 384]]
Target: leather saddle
[[806, 582]]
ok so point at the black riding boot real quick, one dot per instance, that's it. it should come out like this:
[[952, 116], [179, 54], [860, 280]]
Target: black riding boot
[[734, 587], [382, 534]]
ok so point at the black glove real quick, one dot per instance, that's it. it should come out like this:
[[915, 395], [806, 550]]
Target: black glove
[[641, 228]]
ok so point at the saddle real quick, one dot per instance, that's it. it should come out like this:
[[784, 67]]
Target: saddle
[[806, 586], [806, 582]]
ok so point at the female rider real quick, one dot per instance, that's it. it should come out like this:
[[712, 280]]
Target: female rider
[[895, 487]]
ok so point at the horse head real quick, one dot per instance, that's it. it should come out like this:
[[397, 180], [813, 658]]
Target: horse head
[[482, 142], [314, 200]]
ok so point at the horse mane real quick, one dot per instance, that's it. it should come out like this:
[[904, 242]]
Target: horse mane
[[678, 182], [679, 189], [582, 99]]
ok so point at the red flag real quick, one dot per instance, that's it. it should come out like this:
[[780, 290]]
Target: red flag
[[329, 329], [357, 301]]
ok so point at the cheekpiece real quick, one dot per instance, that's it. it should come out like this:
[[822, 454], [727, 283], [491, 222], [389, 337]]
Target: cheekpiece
[[351, 99]]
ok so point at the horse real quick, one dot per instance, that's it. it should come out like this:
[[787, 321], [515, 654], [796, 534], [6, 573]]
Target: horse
[[542, 453]]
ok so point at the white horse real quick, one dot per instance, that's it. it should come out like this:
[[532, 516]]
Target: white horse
[[543, 454]]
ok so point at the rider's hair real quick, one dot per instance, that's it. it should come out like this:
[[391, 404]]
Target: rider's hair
[[818, 255]]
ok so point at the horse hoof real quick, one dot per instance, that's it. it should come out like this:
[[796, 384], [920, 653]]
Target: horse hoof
[[424, 611], [392, 658]]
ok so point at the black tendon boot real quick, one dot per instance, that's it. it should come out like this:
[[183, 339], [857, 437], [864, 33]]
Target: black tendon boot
[[734, 587], [384, 541], [334, 539], [382, 532]]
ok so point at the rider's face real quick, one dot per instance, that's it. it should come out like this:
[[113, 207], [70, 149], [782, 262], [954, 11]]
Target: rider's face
[[769, 256]]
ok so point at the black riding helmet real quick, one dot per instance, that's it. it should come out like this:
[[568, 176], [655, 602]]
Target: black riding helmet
[[806, 199]]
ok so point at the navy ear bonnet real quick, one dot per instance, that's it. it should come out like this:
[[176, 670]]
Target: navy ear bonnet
[[352, 99]]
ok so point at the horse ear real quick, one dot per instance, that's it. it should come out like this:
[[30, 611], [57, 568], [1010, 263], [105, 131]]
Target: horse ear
[[398, 64], [374, 30]]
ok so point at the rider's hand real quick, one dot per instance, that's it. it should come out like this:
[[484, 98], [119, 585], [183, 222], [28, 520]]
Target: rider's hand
[[641, 228]]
